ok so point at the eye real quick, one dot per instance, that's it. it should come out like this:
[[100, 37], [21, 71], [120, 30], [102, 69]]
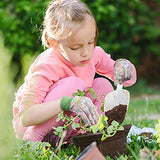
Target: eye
[[91, 42], [74, 48]]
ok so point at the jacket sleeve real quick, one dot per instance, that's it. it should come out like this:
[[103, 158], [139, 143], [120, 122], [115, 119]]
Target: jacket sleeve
[[33, 91], [37, 84]]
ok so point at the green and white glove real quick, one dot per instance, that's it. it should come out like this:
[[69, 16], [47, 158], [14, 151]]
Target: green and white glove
[[122, 71], [82, 106]]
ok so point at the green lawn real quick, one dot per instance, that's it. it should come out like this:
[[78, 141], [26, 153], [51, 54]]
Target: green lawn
[[7, 138], [140, 109]]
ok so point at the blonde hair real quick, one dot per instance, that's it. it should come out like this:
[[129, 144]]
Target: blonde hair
[[60, 16]]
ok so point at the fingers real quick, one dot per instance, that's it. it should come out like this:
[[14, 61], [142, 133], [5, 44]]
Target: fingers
[[94, 113], [90, 112], [78, 106], [86, 109], [83, 114], [123, 71], [85, 117]]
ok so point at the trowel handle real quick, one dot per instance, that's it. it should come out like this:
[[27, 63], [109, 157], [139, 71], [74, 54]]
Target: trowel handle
[[119, 86]]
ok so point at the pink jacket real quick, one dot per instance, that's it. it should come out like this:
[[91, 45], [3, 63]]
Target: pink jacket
[[48, 68]]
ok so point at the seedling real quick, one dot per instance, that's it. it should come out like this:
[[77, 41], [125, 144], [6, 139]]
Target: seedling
[[102, 125], [158, 132], [94, 95]]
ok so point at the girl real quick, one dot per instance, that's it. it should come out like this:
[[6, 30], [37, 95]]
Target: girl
[[69, 63]]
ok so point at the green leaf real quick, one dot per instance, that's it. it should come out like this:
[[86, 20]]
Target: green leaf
[[100, 122], [120, 128], [94, 95], [102, 108], [67, 128], [103, 138], [91, 90], [81, 93], [115, 123], [104, 120], [80, 130], [59, 129], [60, 116], [94, 128], [75, 125], [110, 129], [75, 94]]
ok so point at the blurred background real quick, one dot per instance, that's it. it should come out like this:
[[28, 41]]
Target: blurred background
[[127, 29]]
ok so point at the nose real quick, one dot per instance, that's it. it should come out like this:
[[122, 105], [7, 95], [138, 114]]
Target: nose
[[85, 52]]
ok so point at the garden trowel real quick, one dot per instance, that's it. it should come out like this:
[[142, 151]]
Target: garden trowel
[[116, 104]]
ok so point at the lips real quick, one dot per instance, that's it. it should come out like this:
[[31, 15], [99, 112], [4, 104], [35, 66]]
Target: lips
[[84, 62]]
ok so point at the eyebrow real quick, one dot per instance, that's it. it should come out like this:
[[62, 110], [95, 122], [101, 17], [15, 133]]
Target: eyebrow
[[82, 44]]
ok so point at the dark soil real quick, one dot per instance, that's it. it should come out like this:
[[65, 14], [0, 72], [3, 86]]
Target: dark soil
[[118, 114]]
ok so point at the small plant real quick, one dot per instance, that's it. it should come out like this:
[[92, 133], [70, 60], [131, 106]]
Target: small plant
[[107, 131], [158, 132], [42, 150], [69, 122], [101, 126], [137, 143], [33, 150], [94, 95]]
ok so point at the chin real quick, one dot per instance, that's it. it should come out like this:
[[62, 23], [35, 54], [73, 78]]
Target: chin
[[82, 65]]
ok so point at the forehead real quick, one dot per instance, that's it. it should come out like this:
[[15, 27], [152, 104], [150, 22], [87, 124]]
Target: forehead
[[82, 32]]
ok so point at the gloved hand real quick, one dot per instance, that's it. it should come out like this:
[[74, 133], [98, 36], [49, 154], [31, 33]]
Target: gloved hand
[[82, 106], [122, 71]]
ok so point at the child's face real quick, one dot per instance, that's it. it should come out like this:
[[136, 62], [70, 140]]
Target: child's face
[[79, 47]]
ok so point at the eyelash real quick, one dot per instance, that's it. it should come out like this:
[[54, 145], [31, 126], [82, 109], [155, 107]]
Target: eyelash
[[78, 47], [74, 48], [91, 42]]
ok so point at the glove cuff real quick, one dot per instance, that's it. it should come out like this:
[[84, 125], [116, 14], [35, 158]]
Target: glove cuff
[[65, 103]]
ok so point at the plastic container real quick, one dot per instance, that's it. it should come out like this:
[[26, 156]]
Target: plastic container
[[112, 146]]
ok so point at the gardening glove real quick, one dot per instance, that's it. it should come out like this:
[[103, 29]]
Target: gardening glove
[[82, 106], [122, 71]]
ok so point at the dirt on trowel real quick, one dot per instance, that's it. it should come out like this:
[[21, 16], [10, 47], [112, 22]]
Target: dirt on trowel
[[118, 114]]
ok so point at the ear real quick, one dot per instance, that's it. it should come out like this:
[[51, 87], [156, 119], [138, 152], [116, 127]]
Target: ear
[[53, 43]]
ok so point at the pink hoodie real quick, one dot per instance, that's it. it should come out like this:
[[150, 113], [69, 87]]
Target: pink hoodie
[[48, 68]]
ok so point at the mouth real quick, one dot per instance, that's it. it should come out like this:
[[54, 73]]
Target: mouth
[[84, 62]]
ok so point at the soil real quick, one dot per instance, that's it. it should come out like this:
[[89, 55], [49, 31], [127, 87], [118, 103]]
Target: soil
[[118, 114]]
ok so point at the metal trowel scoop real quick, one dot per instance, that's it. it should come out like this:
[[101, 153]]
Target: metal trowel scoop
[[116, 102]]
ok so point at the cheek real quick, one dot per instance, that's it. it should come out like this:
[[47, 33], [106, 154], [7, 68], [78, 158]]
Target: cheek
[[92, 49], [72, 56], [75, 56]]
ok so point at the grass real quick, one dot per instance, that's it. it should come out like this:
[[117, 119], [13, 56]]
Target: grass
[[140, 109], [142, 88], [7, 138], [9, 144]]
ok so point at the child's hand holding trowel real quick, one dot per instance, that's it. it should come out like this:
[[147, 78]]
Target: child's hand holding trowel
[[122, 71], [116, 102]]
